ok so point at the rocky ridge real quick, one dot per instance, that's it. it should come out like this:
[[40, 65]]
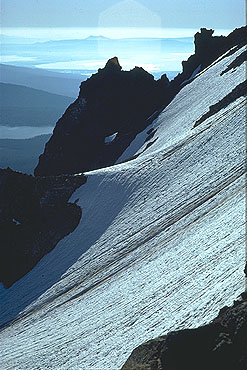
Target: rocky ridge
[[79, 315], [111, 102], [208, 49], [113, 106]]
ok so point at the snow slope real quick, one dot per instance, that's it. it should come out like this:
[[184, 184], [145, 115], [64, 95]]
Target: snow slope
[[160, 245]]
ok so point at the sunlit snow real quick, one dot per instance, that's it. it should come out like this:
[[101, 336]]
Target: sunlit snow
[[160, 245]]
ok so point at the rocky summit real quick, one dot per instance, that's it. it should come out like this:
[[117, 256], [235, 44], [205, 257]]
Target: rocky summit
[[111, 102], [113, 106]]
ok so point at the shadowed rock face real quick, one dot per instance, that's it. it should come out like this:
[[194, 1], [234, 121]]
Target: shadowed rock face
[[119, 102], [208, 48], [220, 345], [34, 216], [110, 101]]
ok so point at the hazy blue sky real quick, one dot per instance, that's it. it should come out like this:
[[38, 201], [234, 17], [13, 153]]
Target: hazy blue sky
[[125, 13]]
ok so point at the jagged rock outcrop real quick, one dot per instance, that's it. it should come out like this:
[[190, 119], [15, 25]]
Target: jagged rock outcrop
[[110, 102], [34, 216], [207, 49], [112, 108], [119, 102], [220, 345]]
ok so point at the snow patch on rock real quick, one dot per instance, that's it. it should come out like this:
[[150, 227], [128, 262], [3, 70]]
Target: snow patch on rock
[[111, 138]]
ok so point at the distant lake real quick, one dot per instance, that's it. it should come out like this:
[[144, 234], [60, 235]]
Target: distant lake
[[23, 132]]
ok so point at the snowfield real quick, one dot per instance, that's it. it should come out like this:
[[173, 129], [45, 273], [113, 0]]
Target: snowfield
[[160, 245]]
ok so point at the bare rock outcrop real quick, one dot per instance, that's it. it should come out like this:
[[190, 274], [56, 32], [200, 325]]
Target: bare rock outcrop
[[34, 215], [111, 102], [113, 106]]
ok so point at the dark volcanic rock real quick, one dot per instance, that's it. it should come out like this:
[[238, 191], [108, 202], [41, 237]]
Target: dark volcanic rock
[[118, 102], [34, 213], [110, 101], [221, 345], [208, 49], [34, 216]]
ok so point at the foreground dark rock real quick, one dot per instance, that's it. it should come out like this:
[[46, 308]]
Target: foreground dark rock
[[221, 345], [34, 216], [118, 102]]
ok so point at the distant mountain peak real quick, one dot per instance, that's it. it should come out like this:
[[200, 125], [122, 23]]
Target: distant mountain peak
[[96, 38]]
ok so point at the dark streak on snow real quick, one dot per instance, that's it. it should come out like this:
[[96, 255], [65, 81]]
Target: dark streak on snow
[[236, 63], [237, 92]]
